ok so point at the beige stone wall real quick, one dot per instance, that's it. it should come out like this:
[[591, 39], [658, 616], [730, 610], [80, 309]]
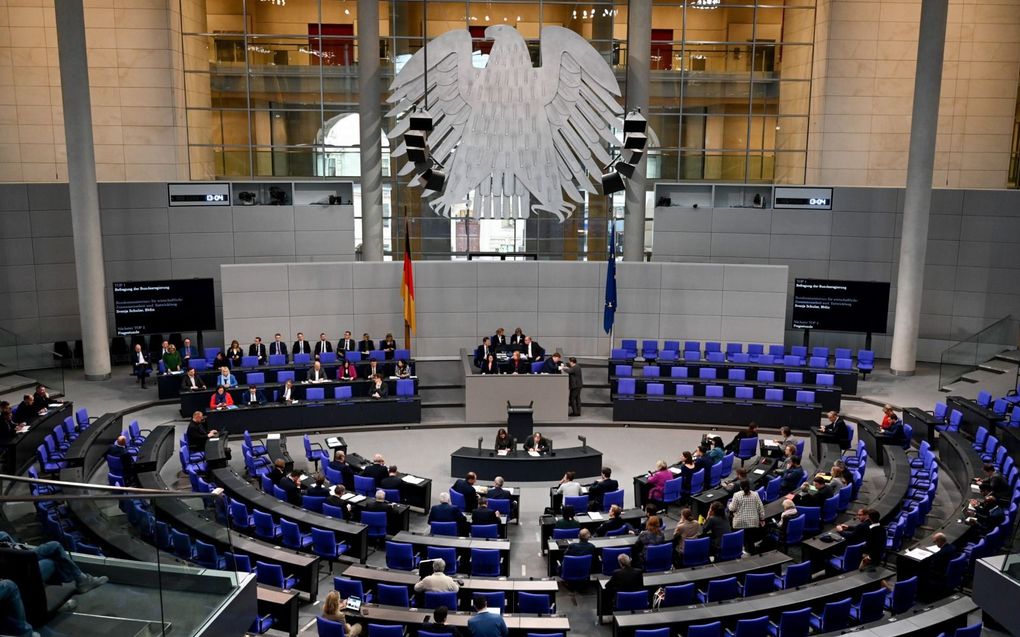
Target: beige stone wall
[[865, 52], [137, 103]]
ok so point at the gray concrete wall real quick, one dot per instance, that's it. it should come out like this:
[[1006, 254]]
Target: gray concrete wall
[[972, 278], [143, 238], [458, 303]]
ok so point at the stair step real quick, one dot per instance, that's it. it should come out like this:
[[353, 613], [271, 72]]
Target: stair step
[[1013, 356]]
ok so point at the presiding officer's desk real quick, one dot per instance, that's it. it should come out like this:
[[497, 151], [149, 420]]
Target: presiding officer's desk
[[372, 576], [828, 396], [19, 450], [520, 466], [586, 521], [354, 534], [816, 595], [939, 618], [463, 546], [316, 415], [486, 395], [198, 400], [557, 548], [717, 411], [845, 379], [974, 415], [415, 619], [769, 562], [961, 463]]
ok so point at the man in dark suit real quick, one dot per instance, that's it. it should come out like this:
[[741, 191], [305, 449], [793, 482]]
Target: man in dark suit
[[625, 579], [576, 383], [598, 489], [466, 487], [987, 515], [499, 341], [335, 498], [323, 345], [531, 350], [702, 460], [319, 489], [792, 476], [41, 397], [482, 351], [552, 364], [483, 514], [199, 433], [518, 365], [446, 512], [378, 503], [497, 492], [119, 450], [814, 495], [301, 346], [837, 428], [392, 480], [582, 546], [26, 409], [895, 431], [346, 344], [292, 487], [377, 470], [188, 352], [537, 443], [253, 396], [856, 533], [934, 568], [993, 483], [258, 348], [874, 539], [365, 344], [339, 463], [277, 347], [192, 381], [276, 474]]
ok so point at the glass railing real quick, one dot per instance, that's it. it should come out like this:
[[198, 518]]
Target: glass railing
[[33, 361], [965, 356]]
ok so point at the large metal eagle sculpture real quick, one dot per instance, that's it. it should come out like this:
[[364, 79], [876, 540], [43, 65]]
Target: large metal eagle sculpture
[[517, 135]]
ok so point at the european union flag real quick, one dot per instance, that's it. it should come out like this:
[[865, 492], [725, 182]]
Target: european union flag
[[609, 314]]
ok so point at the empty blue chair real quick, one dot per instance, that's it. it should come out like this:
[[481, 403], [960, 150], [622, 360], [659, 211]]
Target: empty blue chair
[[364, 485], [692, 357], [713, 391], [536, 367], [324, 545], [684, 390], [486, 531], [655, 389], [608, 499], [984, 398], [579, 502], [794, 378], [239, 516], [651, 371], [632, 601], [869, 608], [327, 358], [825, 379], [279, 493], [649, 349], [659, 557], [277, 359], [800, 352], [344, 392], [732, 546], [534, 603], [575, 568], [485, 562], [255, 378], [495, 599], [718, 589], [402, 355], [820, 352], [713, 629], [394, 595], [181, 543], [773, 395], [794, 576], [565, 534], [758, 584], [679, 595], [804, 397], [302, 359], [239, 563], [206, 555], [743, 393], [973, 630], [328, 628], [715, 357], [844, 364], [766, 376], [849, 560], [447, 554], [249, 361], [625, 388], [630, 346], [748, 447], [435, 599], [198, 364], [736, 374], [901, 598], [313, 502], [696, 551], [865, 361], [400, 556], [707, 373], [376, 523], [610, 558], [284, 375], [292, 537], [264, 525], [812, 519], [757, 627], [624, 371], [272, 575], [692, 346], [715, 475], [792, 623], [333, 511], [830, 509], [314, 394], [405, 388], [678, 371], [818, 362], [667, 356], [619, 354], [443, 528], [835, 616], [384, 630], [351, 588]]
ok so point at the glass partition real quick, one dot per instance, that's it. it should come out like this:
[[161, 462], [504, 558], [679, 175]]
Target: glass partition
[[966, 355], [43, 364]]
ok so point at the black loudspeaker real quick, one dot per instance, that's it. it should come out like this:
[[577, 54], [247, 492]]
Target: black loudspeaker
[[434, 179], [625, 169], [414, 139], [634, 122], [416, 155], [421, 121], [635, 141], [612, 182]]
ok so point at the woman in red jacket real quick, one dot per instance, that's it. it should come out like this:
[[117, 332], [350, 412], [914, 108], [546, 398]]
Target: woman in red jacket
[[221, 399]]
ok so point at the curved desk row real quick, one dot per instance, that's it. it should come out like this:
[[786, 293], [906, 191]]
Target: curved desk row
[[198, 400], [769, 562], [827, 396], [519, 466], [717, 411], [372, 576], [845, 379], [940, 618], [556, 549], [317, 416], [815, 595], [415, 619], [170, 384], [462, 545], [18, 451], [354, 534]]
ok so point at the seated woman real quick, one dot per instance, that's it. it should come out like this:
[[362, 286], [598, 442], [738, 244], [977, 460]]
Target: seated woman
[[687, 468], [716, 525], [378, 388], [503, 441], [650, 536], [490, 366], [687, 528], [221, 399], [402, 370], [172, 359], [235, 353], [657, 481], [333, 610], [346, 371], [220, 360]]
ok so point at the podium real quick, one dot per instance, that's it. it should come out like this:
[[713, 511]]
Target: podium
[[520, 421]]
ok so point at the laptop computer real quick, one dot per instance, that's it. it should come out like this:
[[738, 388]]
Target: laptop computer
[[354, 604], [426, 568]]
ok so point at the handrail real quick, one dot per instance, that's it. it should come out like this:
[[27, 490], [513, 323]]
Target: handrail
[[967, 354]]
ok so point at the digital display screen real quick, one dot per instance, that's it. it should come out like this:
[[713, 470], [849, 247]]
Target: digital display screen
[[175, 305], [198, 194], [840, 306], [804, 198]]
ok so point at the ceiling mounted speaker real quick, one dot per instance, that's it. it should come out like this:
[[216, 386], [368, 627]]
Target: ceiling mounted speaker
[[633, 141], [415, 155], [612, 182], [414, 138], [634, 122], [421, 120], [625, 169], [434, 179]]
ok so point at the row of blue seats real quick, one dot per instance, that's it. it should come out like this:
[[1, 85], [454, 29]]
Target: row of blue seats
[[734, 352], [50, 454], [712, 373], [326, 358], [626, 390]]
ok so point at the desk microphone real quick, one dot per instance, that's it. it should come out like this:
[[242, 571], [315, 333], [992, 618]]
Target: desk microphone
[[584, 442], [479, 443]]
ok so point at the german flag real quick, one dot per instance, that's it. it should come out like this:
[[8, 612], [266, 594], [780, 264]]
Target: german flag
[[407, 285]]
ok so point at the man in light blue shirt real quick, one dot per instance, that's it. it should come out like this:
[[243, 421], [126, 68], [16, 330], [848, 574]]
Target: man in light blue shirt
[[486, 624], [226, 378]]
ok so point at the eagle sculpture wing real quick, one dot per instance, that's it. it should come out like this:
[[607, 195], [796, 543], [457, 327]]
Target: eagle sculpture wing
[[580, 104], [450, 76]]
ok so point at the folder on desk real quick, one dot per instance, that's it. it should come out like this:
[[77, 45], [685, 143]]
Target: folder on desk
[[412, 479], [594, 515], [272, 436]]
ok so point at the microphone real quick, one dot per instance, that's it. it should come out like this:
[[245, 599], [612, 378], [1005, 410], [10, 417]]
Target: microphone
[[479, 443], [584, 442]]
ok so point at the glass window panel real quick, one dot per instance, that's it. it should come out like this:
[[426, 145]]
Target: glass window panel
[[199, 52], [791, 133], [222, 16], [794, 98], [291, 18], [283, 162]]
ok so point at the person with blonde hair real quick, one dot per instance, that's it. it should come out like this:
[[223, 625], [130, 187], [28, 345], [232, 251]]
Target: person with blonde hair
[[657, 481], [333, 610]]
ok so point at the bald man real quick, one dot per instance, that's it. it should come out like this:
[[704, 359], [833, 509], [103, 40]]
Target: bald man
[[119, 449], [377, 470]]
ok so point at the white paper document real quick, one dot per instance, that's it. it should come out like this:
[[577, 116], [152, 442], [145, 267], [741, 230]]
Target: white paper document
[[918, 554], [595, 515], [272, 436], [534, 453], [412, 479]]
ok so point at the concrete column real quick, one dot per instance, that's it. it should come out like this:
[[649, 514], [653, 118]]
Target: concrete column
[[370, 112], [931, 44], [81, 176], [639, 52]]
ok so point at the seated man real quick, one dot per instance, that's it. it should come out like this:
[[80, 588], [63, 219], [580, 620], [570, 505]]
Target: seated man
[[625, 579], [466, 487], [614, 522], [484, 623], [346, 344], [598, 489], [895, 430], [277, 347], [12, 611], [319, 489], [483, 514], [583, 546], [336, 499], [856, 533], [56, 565], [537, 443], [552, 364], [42, 397], [446, 512], [813, 495], [482, 351], [192, 381], [531, 350], [987, 515], [119, 449], [323, 345], [366, 344], [292, 487], [317, 374], [438, 581], [301, 346], [258, 348], [26, 410], [993, 483], [377, 470], [392, 479], [792, 476], [254, 396], [497, 492], [379, 503], [339, 463]]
